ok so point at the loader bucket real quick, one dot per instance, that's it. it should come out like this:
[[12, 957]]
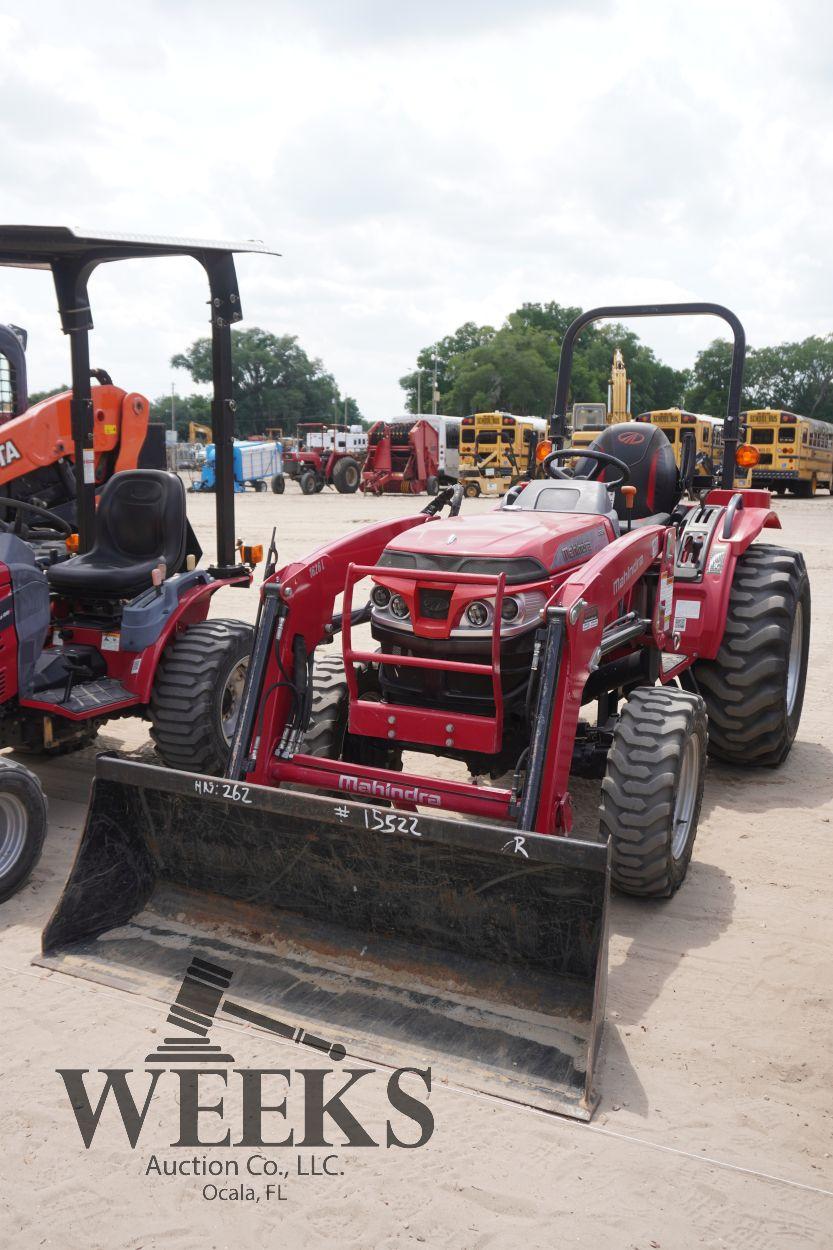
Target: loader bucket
[[405, 939]]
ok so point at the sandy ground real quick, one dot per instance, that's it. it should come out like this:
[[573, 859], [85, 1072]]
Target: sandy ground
[[714, 1128]]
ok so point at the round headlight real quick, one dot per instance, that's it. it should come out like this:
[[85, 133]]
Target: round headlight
[[478, 614], [380, 596], [510, 609], [398, 606]]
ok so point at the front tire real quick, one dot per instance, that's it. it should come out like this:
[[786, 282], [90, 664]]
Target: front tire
[[471, 490], [653, 789], [278, 484], [754, 688], [326, 736], [307, 482], [22, 825], [197, 693]]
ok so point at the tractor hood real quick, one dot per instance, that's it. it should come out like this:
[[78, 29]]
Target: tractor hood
[[538, 543]]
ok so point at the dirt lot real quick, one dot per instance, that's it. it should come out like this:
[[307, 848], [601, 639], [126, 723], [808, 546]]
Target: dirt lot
[[714, 1128]]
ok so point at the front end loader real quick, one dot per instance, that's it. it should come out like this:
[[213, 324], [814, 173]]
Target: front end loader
[[407, 915]]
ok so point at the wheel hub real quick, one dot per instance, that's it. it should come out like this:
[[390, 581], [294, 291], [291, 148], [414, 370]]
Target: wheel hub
[[13, 825], [794, 660], [686, 799], [232, 698]]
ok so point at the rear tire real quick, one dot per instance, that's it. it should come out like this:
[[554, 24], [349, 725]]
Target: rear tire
[[260, 486], [278, 484], [307, 483], [346, 476], [653, 789], [22, 825], [754, 689], [196, 695], [471, 490]]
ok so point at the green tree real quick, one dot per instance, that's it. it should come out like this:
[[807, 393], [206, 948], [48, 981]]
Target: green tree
[[36, 396], [419, 383], [275, 382], [795, 376], [514, 368]]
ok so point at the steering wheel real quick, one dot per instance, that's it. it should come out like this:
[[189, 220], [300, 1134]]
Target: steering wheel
[[574, 453], [55, 528]]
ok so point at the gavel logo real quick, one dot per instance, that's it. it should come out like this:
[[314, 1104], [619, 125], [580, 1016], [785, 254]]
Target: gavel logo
[[195, 1007]]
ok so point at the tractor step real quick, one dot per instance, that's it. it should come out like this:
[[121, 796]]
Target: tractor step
[[86, 698]]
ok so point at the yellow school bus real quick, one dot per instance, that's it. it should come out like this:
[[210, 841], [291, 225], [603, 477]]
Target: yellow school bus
[[707, 431], [495, 448], [795, 453]]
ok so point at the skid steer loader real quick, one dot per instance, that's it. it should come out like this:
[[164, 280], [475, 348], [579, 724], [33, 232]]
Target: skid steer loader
[[416, 918]]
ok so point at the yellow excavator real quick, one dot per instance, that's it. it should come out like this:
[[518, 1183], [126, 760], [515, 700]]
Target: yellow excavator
[[199, 433], [590, 419]]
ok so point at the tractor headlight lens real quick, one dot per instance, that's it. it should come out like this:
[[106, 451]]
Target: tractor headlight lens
[[510, 609], [399, 607], [478, 614], [380, 596]]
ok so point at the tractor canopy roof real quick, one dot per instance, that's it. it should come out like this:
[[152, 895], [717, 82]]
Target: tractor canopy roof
[[38, 247]]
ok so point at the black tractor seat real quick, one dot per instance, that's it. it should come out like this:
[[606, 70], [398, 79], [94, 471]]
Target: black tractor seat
[[650, 457], [140, 522]]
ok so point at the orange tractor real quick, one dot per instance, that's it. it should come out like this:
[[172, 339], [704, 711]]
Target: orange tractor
[[37, 449]]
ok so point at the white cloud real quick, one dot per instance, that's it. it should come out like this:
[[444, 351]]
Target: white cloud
[[422, 165]]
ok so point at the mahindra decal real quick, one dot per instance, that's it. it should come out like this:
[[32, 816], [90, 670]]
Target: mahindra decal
[[388, 790]]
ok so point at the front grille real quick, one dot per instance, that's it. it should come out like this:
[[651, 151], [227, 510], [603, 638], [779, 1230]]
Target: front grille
[[517, 569], [434, 604]]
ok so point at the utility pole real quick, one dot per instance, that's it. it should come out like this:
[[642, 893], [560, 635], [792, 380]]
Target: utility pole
[[434, 395], [173, 404], [419, 392]]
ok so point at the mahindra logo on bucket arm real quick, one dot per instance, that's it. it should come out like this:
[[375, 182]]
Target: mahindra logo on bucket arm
[[388, 790]]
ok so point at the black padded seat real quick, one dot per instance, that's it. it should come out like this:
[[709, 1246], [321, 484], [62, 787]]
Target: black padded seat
[[140, 521], [650, 457]]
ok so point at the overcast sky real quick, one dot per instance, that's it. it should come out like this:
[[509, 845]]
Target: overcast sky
[[419, 165]]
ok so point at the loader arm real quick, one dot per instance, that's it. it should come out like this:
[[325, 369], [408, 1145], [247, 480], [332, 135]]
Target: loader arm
[[297, 607], [42, 435]]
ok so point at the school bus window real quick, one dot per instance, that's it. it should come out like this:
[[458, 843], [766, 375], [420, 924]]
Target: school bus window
[[763, 435], [488, 438], [786, 434]]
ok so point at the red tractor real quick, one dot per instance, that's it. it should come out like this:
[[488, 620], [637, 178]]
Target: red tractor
[[326, 455], [121, 628], [417, 916]]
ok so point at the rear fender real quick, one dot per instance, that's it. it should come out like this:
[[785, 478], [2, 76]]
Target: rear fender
[[700, 607], [192, 608], [602, 583]]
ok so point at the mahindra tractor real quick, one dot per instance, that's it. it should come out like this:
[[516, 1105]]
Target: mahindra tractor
[[120, 627], [444, 912]]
